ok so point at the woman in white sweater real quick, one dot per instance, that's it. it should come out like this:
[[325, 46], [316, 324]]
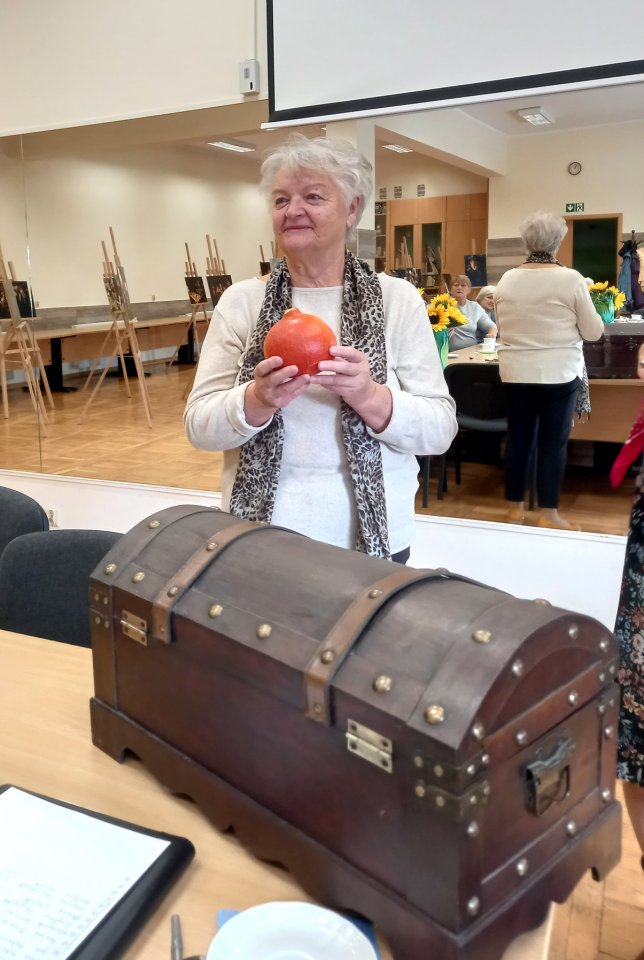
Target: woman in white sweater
[[544, 313], [332, 457]]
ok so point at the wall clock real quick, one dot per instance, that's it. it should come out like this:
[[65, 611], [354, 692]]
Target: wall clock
[[574, 168]]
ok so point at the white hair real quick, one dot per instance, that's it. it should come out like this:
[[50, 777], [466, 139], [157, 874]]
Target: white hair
[[543, 232], [484, 291], [338, 159]]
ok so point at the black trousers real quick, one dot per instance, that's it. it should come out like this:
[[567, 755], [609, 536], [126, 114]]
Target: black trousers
[[539, 418]]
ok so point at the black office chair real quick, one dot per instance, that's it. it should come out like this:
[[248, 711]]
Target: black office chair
[[44, 582], [19, 514], [478, 393]]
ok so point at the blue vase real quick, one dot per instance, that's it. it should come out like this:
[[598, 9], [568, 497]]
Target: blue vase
[[606, 310]]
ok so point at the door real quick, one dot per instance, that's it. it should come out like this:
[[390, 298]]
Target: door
[[591, 246]]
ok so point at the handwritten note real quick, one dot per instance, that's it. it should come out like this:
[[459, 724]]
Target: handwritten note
[[61, 872]]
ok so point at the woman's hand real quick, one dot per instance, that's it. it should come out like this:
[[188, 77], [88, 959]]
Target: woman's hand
[[273, 387], [352, 381]]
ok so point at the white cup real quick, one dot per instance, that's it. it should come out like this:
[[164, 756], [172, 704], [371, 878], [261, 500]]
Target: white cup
[[489, 344]]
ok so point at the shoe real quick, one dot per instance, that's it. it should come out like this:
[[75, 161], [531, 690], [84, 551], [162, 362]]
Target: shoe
[[547, 524], [514, 516]]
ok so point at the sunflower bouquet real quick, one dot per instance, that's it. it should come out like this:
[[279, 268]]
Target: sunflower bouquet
[[607, 300], [444, 314]]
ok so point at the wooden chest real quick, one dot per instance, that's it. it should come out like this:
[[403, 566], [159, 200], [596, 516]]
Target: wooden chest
[[426, 751]]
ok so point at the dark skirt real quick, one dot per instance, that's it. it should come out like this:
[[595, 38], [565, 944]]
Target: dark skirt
[[629, 630]]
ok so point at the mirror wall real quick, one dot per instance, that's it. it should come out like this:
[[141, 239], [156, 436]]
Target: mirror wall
[[160, 186]]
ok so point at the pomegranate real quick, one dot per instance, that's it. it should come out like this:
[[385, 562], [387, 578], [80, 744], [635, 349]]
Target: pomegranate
[[301, 339]]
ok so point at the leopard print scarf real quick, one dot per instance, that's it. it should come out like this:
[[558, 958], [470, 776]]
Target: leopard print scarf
[[363, 327]]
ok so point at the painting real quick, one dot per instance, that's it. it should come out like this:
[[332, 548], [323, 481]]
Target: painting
[[196, 290], [24, 300], [114, 292], [217, 285], [476, 269]]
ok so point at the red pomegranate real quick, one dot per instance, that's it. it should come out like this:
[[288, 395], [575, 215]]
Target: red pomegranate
[[301, 339]]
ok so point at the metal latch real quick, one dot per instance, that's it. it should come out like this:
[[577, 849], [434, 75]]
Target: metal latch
[[370, 745], [548, 777], [135, 628]]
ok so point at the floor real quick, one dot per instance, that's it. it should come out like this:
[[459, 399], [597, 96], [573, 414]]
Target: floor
[[112, 441]]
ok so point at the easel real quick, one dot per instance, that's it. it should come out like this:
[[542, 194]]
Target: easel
[[265, 265], [17, 340], [216, 274], [191, 271], [121, 330]]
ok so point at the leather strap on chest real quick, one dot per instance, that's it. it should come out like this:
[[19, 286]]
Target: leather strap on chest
[[342, 637]]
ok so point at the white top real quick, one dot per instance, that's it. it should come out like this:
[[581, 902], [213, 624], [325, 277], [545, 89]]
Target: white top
[[477, 319], [315, 495], [543, 315]]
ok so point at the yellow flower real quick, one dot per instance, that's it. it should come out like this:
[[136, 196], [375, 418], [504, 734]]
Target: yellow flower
[[443, 312], [598, 287]]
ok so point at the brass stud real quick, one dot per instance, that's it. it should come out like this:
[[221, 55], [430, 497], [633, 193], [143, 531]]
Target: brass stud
[[317, 708], [473, 906], [608, 731], [486, 790], [517, 668], [602, 677], [439, 801], [573, 631], [420, 789], [482, 636], [140, 575], [522, 867], [473, 800], [104, 601], [438, 771], [106, 624], [571, 828], [603, 645], [478, 731], [327, 656], [212, 545], [434, 714], [472, 830], [173, 591], [110, 568], [382, 684], [521, 737], [264, 631], [375, 593], [542, 602], [485, 760], [97, 621], [97, 597], [418, 760], [444, 572], [611, 669], [606, 795], [471, 770], [153, 524], [601, 709], [215, 611], [611, 702], [573, 698]]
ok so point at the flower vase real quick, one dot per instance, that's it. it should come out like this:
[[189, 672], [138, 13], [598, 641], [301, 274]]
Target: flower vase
[[442, 343], [606, 310]]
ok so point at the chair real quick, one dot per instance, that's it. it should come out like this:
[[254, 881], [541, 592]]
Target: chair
[[19, 514], [44, 582]]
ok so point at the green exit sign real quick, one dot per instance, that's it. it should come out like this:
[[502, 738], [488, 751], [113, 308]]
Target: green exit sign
[[574, 208]]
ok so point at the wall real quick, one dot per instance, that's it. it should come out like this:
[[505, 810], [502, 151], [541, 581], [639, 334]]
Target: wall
[[537, 175], [407, 170], [577, 571], [155, 199]]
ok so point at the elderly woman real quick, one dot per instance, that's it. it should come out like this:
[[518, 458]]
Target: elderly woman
[[543, 313], [332, 455], [478, 323], [485, 299]]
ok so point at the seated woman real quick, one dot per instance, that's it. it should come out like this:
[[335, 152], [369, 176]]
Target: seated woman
[[485, 297], [478, 322]]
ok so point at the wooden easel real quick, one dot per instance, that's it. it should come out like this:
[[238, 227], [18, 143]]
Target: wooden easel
[[17, 341], [265, 265], [121, 331], [191, 324]]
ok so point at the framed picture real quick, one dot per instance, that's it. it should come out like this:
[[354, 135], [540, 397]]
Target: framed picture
[[217, 285], [476, 269], [24, 300], [196, 290]]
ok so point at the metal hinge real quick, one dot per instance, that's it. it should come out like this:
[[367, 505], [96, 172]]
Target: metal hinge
[[369, 745], [135, 628]]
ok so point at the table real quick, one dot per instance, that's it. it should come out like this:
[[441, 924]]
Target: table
[[83, 341], [46, 747], [614, 403]]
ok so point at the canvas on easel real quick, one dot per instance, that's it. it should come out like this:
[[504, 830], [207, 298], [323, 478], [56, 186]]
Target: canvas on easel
[[216, 275], [18, 344], [122, 332], [198, 300]]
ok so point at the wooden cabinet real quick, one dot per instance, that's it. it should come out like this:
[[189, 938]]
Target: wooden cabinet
[[451, 227]]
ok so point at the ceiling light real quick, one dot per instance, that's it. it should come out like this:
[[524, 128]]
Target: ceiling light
[[231, 145], [396, 148], [537, 116]]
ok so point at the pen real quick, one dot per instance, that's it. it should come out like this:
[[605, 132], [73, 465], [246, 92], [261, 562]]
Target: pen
[[176, 943]]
